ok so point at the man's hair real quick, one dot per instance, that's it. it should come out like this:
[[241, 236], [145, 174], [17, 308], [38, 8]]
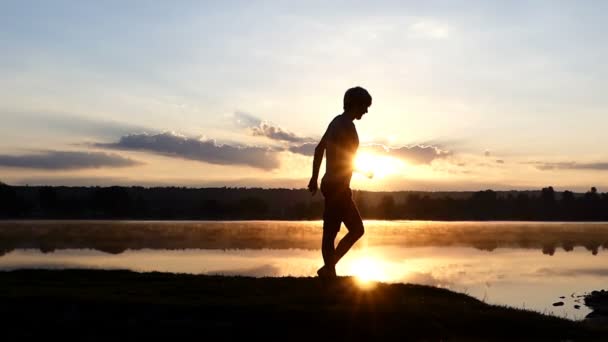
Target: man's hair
[[356, 96]]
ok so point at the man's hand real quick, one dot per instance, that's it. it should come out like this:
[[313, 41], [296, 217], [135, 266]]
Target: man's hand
[[313, 186]]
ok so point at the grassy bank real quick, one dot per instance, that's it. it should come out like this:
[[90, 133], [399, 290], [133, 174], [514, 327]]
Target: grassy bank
[[89, 304]]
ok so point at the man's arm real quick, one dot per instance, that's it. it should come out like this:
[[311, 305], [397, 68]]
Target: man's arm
[[316, 164]]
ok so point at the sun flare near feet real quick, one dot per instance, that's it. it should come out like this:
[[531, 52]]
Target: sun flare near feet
[[376, 166], [367, 270]]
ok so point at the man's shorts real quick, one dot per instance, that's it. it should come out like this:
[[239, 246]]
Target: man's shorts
[[339, 207]]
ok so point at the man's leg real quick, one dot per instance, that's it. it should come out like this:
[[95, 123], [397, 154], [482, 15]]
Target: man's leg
[[330, 231], [331, 226], [354, 224]]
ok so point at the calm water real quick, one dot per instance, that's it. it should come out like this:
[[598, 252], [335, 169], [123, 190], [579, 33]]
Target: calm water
[[520, 264]]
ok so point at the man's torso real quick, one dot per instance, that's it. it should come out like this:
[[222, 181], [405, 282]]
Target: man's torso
[[342, 142]]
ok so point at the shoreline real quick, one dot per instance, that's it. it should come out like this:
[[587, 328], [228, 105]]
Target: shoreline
[[95, 304]]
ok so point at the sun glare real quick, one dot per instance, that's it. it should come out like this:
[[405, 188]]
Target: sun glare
[[372, 165], [367, 270]]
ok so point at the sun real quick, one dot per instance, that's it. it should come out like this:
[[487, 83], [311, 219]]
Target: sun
[[373, 165]]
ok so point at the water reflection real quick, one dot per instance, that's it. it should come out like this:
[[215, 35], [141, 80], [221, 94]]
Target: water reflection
[[517, 277], [118, 236], [522, 264]]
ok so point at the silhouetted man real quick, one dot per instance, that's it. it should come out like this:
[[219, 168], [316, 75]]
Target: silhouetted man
[[340, 143]]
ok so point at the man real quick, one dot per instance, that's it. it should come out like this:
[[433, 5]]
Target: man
[[340, 143]]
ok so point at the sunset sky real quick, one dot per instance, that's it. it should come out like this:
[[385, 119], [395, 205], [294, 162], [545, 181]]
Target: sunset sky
[[467, 95]]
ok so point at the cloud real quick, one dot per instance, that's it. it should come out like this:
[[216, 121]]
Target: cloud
[[66, 160], [307, 149], [569, 166], [415, 154], [205, 150], [262, 128], [243, 119], [265, 129]]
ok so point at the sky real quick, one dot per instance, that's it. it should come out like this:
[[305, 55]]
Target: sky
[[467, 95]]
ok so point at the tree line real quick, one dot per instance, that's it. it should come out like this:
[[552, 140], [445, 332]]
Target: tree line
[[179, 203]]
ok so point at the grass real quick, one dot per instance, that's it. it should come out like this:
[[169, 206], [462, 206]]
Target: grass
[[100, 305]]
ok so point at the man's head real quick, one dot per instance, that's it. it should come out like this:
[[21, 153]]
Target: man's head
[[356, 102]]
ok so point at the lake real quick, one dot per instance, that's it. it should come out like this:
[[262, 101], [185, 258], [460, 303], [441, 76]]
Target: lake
[[529, 265]]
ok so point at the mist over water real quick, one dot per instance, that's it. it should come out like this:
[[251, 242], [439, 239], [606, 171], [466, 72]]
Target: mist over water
[[522, 264]]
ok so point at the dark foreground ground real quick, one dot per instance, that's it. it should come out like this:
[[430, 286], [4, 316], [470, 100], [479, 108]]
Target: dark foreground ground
[[121, 305]]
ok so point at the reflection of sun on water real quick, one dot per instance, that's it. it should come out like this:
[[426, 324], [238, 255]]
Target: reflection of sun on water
[[373, 165]]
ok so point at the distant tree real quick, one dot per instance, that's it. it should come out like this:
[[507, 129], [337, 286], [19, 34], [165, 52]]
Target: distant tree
[[251, 207], [9, 204], [113, 202], [567, 196], [362, 204], [592, 194], [316, 209], [604, 208], [592, 205], [548, 204], [548, 194], [296, 204], [483, 205], [412, 206], [48, 199], [386, 208], [141, 208], [568, 205], [212, 209], [299, 210]]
